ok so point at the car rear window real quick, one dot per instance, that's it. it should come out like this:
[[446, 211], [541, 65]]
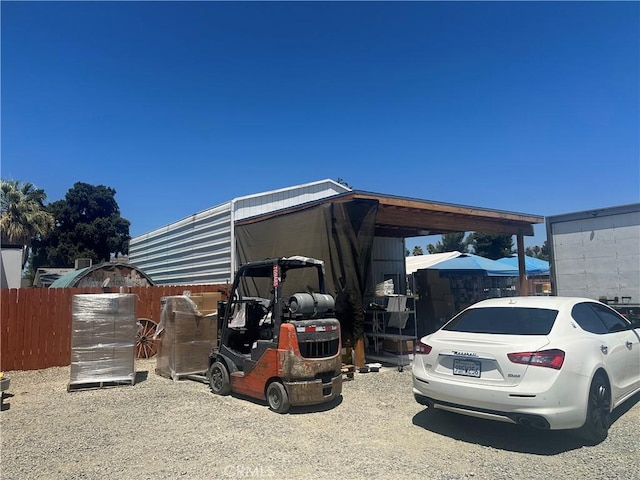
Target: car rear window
[[504, 321]]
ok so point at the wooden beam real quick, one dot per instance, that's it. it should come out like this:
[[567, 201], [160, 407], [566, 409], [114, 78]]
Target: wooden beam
[[522, 271], [452, 223], [422, 205], [358, 353]]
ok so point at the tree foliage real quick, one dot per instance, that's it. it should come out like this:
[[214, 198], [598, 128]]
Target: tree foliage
[[88, 225], [417, 250], [451, 242], [538, 252], [23, 217], [491, 245]]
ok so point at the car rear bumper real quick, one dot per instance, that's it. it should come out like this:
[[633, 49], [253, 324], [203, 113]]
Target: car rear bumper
[[548, 409], [527, 419]]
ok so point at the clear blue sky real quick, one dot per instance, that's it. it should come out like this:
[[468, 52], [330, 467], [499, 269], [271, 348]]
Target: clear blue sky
[[526, 107]]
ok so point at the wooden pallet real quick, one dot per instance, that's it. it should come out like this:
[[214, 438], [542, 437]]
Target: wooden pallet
[[197, 376], [74, 387], [348, 371]]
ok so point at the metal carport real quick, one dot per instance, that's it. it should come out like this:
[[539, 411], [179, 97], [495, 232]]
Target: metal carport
[[393, 216]]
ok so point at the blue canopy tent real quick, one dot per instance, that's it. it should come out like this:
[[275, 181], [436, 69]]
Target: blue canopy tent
[[471, 278], [533, 266], [468, 263]]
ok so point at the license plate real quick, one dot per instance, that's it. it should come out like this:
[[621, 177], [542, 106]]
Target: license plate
[[468, 368]]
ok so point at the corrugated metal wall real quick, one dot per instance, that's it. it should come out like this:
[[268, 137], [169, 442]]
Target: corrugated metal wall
[[197, 249], [388, 263], [250, 206], [597, 256]]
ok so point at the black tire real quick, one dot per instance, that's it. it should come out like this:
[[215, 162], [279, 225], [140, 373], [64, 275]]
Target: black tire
[[219, 378], [596, 426], [278, 398]]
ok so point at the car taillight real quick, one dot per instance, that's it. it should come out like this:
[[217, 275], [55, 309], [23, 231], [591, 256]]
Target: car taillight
[[423, 348], [545, 358]]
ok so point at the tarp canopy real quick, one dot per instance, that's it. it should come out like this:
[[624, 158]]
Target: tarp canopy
[[533, 266], [419, 262], [469, 263], [339, 233]]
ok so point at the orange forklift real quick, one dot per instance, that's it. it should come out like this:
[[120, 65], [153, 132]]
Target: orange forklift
[[278, 342]]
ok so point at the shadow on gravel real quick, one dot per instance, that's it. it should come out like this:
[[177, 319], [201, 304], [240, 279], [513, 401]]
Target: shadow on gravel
[[322, 407], [506, 436], [141, 376]]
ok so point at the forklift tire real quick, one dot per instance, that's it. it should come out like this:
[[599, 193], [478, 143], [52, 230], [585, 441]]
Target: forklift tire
[[278, 397], [219, 378]]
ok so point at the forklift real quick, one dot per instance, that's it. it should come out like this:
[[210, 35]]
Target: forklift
[[279, 339]]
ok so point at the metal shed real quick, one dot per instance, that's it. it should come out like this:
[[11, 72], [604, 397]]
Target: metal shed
[[202, 248], [197, 249]]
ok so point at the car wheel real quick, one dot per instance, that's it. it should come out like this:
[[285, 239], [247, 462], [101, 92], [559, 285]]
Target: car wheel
[[219, 378], [278, 398], [596, 426]]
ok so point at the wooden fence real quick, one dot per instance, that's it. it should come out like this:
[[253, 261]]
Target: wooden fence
[[35, 323]]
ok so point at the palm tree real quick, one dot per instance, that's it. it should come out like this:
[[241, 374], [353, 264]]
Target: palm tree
[[22, 213]]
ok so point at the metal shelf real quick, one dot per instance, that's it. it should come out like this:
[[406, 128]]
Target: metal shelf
[[381, 332]]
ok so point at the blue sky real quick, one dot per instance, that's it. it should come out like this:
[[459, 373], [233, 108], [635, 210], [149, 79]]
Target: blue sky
[[527, 107]]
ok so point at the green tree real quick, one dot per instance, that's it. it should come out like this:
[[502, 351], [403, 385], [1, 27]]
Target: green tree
[[491, 245], [88, 225], [23, 217], [538, 252], [417, 250], [451, 242]]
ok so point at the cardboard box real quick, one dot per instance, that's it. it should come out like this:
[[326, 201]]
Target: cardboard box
[[398, 346], [187, 327], [188, 336], [183, 359], [206, 301], [109, 363], [103, 333]]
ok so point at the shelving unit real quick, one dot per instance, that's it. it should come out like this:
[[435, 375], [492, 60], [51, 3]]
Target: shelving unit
[[391, 333]]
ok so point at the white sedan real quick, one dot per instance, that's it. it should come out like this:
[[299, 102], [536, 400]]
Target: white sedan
[[547, 362]]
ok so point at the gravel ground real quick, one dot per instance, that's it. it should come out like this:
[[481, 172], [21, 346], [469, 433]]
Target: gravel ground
[[160, 429]]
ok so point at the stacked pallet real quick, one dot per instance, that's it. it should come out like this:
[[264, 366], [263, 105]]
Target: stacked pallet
[[103, 340], [189, 331]]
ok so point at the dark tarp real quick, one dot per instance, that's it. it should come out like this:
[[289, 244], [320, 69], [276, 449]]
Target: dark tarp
[[341, 234]]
